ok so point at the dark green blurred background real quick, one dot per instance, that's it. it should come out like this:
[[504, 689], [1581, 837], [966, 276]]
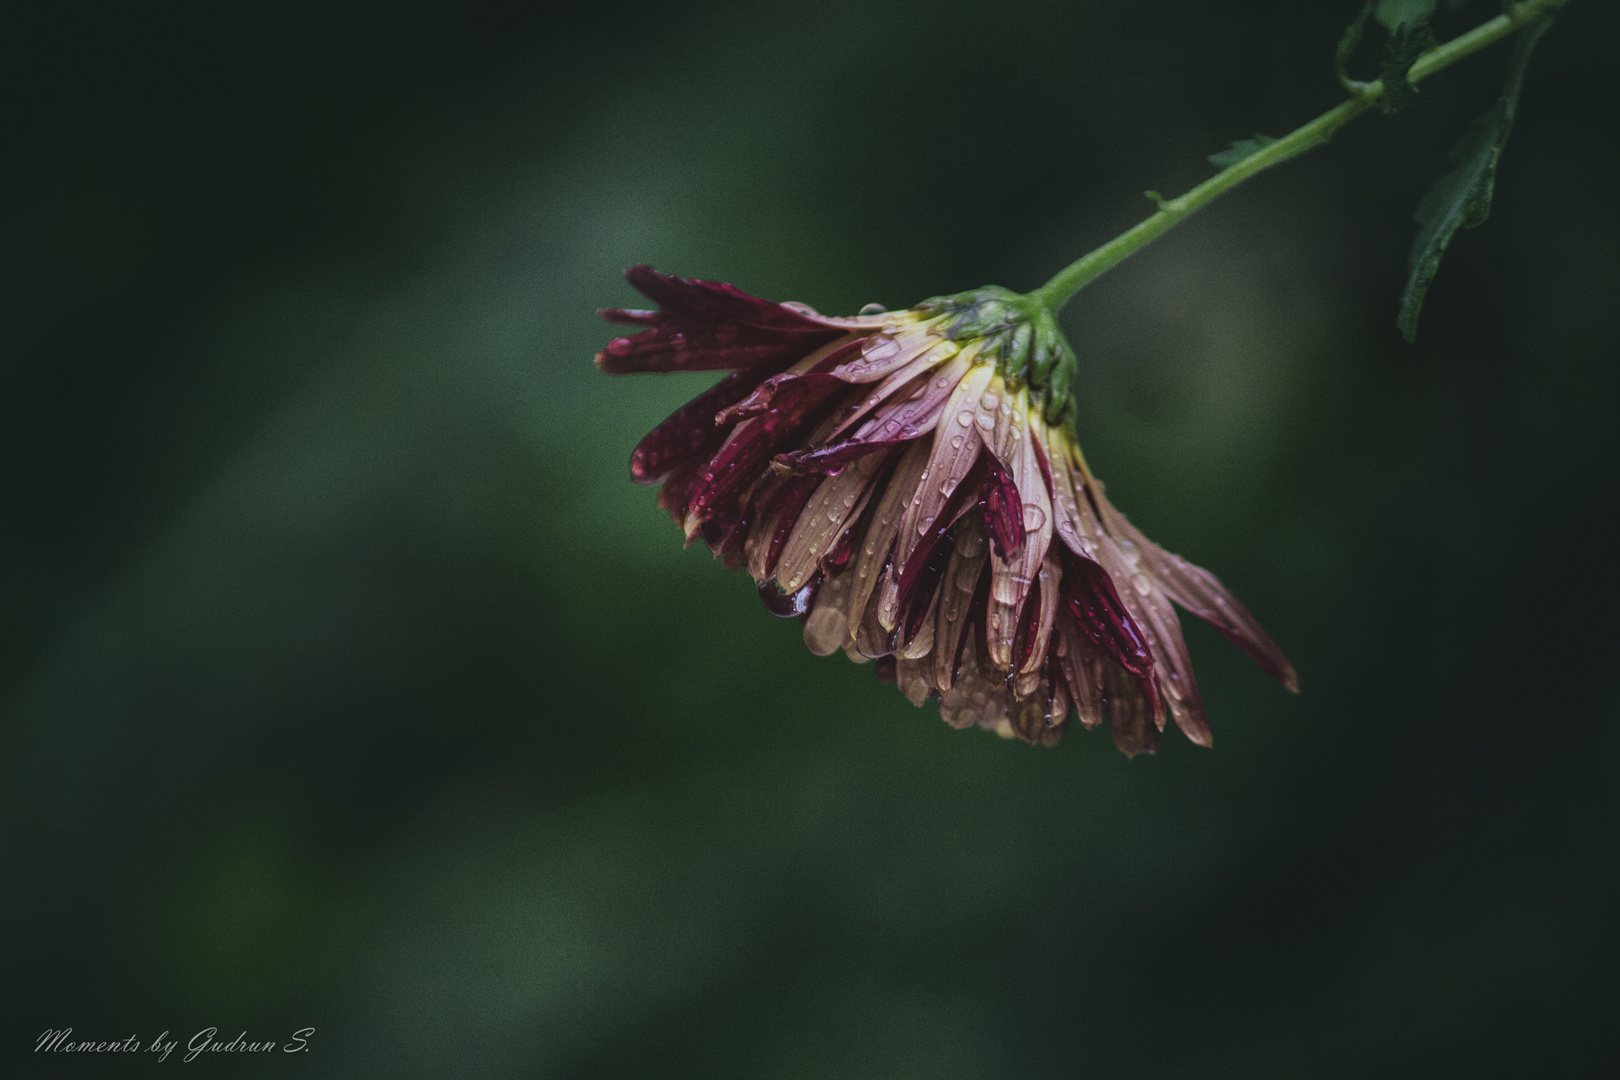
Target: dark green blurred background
[[348, 682]]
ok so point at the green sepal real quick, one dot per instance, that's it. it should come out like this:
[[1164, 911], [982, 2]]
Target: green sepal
[[1018, 335]]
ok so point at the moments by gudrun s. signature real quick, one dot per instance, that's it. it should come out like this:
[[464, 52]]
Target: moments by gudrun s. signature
[[206, 1041]]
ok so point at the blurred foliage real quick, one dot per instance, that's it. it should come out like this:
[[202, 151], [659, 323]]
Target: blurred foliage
[[347, 682]]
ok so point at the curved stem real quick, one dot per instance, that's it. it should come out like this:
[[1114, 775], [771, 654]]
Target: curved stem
[[1072, 278]]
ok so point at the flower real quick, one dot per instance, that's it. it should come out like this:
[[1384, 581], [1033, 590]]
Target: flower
[[910, 484]]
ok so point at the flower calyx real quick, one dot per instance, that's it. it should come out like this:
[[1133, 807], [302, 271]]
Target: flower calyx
[[1019, 335]]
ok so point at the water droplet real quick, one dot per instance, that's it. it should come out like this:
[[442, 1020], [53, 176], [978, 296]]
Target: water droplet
[[813, 549], [878, 349], [986, 421], [1172, 686], [1141, 584], [1034, 517], [956, 442], [989, 400], [965, 417], [832, 515], [873, 309], [926, 522], [849, 501], [947, 487], [942, 382]]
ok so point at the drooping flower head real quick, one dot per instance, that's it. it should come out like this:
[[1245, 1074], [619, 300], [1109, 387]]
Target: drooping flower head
[[909, 483]]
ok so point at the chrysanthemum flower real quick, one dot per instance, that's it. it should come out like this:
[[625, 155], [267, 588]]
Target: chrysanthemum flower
[[909, 483]]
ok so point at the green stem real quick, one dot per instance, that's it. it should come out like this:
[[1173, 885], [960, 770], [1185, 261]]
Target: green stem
[[1072, 278]]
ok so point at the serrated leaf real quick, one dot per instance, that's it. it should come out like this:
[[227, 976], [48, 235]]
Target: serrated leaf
[[1240, 149], [1393, 14], [1462, 197]]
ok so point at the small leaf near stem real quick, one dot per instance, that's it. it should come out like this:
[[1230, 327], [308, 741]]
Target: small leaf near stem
[[1462, 197], [1240, 149], [1080, 273]]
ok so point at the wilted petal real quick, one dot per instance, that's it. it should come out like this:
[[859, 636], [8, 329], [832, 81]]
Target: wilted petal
[[1011, 579], [906, 348], [837, 502], [1202, 594], [874, 555], [690, 432], [956, 447]]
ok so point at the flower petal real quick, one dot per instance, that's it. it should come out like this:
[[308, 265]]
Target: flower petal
[[705, 326], [892, 350], [1202, 594], [961, 581], [924, 397], [1098, 610], [794, 408], [881, 532], [1011, 579], [955, 449], [691, 431], [837, 502]]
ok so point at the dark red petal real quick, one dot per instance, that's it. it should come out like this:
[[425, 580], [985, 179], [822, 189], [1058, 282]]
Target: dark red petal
[[788, 505], [1024, 636], [919, 596], [1096, 607], [691, 431], [676, 494], [1201, 593], [787, 605], [980, 604], [921, 557], [795, 408], [707, 326], [1003, 511], [716, 302], [829, 459], [678, 347], [630, 316]]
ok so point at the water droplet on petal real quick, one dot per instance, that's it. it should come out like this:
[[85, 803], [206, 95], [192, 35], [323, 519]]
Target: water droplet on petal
[[943, 381], [1141, 584], [956, 442], [849, 501], [965, 417], [1034, 517], [986, 421], [872, 309], [989, 400]]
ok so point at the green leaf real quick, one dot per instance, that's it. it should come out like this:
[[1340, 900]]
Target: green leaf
[[1407, 42], [1462, 197], [1394, 14], [1239, 150]]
